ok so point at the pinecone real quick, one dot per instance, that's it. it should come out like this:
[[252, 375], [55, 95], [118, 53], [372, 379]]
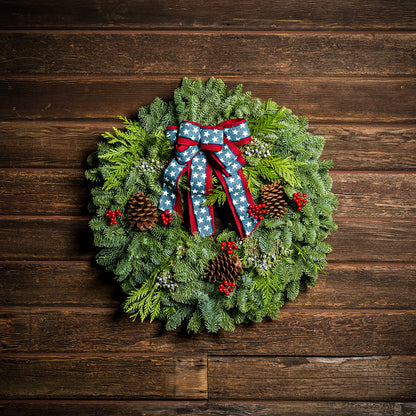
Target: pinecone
[[223, 267], [275, 199], [142, 214]]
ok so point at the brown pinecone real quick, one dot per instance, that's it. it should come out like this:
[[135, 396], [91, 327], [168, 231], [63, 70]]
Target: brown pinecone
[[142, 214], [275, 199], [223, 267]]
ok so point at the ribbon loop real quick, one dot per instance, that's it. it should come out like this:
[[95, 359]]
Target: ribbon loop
[[200, 150]]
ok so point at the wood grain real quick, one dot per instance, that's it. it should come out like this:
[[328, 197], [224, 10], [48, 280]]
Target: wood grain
[[68, 238], [207, 53], [298, 331], [184, 14], [45, 238], [58, 144], [283, 378], [43, 192], [368, 147], [377, 240], [326, 99], [80, 377], [78, 283], [342, 286], [211, 408], [64, 192]]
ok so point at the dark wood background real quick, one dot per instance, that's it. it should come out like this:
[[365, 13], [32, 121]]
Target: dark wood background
[[68, 68]]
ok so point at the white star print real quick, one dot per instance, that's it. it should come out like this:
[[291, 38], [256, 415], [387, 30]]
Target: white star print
[[206, 227], [200, 167], [199, 184], [203, 210], [206, 134], [200, 219], [231, 180], [242, 199], [195, 129], [228, 155], [238, 186], [235, 166], [165, 193], [215, 139]]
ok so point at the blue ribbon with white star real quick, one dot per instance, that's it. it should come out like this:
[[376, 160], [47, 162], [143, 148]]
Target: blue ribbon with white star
[[200, 150]]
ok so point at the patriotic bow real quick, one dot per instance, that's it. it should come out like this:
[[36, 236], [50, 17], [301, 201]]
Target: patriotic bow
[[200, 150]]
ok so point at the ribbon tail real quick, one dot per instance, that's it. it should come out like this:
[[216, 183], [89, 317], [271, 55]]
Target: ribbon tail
[[200, 183], [239, 198], [171, 197]]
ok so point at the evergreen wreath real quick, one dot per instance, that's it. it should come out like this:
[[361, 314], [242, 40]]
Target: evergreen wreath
[[211, 282]]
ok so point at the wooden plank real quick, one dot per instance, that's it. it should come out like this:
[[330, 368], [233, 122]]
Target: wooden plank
[[60, 144], [211, 408], [221, 15], [318, 98], [49, 145], [375, 195], [43, 192], [78, 377], [349, 286], [301, 331], [380, 147], [15, 330], [64, 192], [343, 286], [68, 238], [45, 238], [207, 53], [303, 378], [370, 239], [78, 283]]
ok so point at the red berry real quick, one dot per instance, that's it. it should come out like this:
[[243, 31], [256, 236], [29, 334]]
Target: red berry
[[235, 247], [221, 285], [304, 204], [233, 242], [231, 289], [228, 243], [227, 292], [256, 216], [222, 248], [260, 217], [119, 214], [225, 282], [299, 208], [229, 251]]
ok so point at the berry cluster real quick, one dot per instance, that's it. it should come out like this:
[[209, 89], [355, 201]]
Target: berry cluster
[[227, 287], [145, 166], [297, 197], [257, 210], [111, 215], [165, 281], [257, 149], [167, 217], [231, 246]]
